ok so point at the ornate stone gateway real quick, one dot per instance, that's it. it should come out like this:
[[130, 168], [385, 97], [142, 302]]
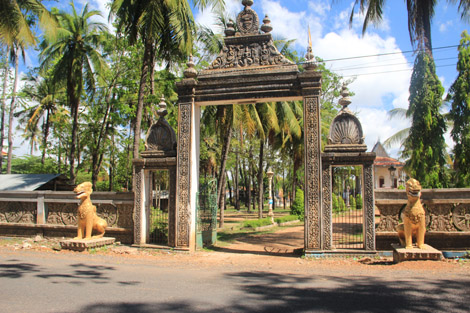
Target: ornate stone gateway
[[159, 154], [249, 69], [346, 148]]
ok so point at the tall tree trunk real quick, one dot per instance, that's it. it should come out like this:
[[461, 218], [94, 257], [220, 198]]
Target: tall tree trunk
[[4, 107], [111, 164], [247, 185], [46, 127], [74, 91], [229, 189], [12, 111], [147, 61], [221, 203], [224, 157], [260, 180], [253, 180], [97, 154], [235, 183]]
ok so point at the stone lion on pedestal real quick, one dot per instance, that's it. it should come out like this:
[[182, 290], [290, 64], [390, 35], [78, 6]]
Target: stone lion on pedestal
[[87, 218], [413, 217]]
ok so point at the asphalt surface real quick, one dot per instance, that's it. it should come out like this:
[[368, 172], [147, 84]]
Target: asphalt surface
[[35, 281]]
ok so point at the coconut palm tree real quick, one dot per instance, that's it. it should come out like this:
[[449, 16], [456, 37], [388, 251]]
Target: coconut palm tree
[[420, 14], [165, 27], [46, 95], [15, 26], [76, 60]]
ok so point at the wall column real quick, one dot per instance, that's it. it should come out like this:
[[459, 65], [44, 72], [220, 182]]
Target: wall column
[[185, 207], [313, 174]]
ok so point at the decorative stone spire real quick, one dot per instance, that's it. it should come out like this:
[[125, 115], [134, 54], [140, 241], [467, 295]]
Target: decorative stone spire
[[247, 3], [248, 20], [310, 63], [230, 30], [266, 27], [345, 100], [162, 111], [190, 72]]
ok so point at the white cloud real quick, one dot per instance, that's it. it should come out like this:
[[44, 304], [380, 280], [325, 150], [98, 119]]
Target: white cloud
[[444, 27], [321, 8], [208, 17]]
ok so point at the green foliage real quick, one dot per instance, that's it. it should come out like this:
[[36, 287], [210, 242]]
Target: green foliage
[[352, 202], [459, 96], [298, 205], [32, 165], [425, 146], [286, 218], [159, 226], [257, 223], [359, 203]]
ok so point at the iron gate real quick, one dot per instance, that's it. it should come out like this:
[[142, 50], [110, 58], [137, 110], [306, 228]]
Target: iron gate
[[159, 208], [206, 212], [347, 207]]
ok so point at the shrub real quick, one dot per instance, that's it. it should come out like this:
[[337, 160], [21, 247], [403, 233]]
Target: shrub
[[359, 203], [352, 202], [298, 205], [341, 204], [334, 203]]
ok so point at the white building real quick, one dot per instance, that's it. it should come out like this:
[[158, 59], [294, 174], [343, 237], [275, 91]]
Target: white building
[[388, 172]]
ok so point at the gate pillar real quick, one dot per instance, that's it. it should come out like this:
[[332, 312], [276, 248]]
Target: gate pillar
[[187, 161], [310, 81]]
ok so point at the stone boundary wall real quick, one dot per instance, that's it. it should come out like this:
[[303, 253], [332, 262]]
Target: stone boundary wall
[[54, 213], [447, 217]]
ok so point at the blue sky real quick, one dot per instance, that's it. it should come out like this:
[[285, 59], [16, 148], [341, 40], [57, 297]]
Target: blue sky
[[332, 38]]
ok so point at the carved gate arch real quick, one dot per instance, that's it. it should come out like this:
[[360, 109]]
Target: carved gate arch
[[249, 69]]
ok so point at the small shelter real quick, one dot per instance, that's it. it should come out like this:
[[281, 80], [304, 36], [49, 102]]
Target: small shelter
[[31, 182]]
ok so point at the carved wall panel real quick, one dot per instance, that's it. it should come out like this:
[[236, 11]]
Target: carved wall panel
[[389, 216], [440, 217], [18, 212], [461, 216], [312, 173], [62, 214], [108, 212], [125, 216], [183, 176]]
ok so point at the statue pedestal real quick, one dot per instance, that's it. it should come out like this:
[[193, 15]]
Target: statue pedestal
[[82, 244], [401, 254]]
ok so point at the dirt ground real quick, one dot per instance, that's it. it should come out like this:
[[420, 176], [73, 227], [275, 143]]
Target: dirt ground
[[272, 251]]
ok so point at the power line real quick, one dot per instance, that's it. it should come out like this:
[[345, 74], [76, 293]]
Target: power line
[[348, 68], [383, 54], [395, 71]]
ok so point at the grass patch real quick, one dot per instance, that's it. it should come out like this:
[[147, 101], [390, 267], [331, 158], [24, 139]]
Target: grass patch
[[257, 223], [287, 218]]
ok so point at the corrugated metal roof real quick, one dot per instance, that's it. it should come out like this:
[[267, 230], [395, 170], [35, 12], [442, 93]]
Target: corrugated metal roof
[[24, 182]]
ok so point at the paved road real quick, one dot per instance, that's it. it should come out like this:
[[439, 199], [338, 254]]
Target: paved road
[[33, 281]]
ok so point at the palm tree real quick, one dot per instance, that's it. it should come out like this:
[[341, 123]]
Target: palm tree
[[44, 92], [165, 27], [15, 26], [76, 61], [420, 14]]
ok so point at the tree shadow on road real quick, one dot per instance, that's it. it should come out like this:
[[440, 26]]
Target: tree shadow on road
[[270, 292]]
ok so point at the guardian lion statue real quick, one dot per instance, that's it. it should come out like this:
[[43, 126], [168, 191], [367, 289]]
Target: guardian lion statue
[[87, 218], [413, 217]]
